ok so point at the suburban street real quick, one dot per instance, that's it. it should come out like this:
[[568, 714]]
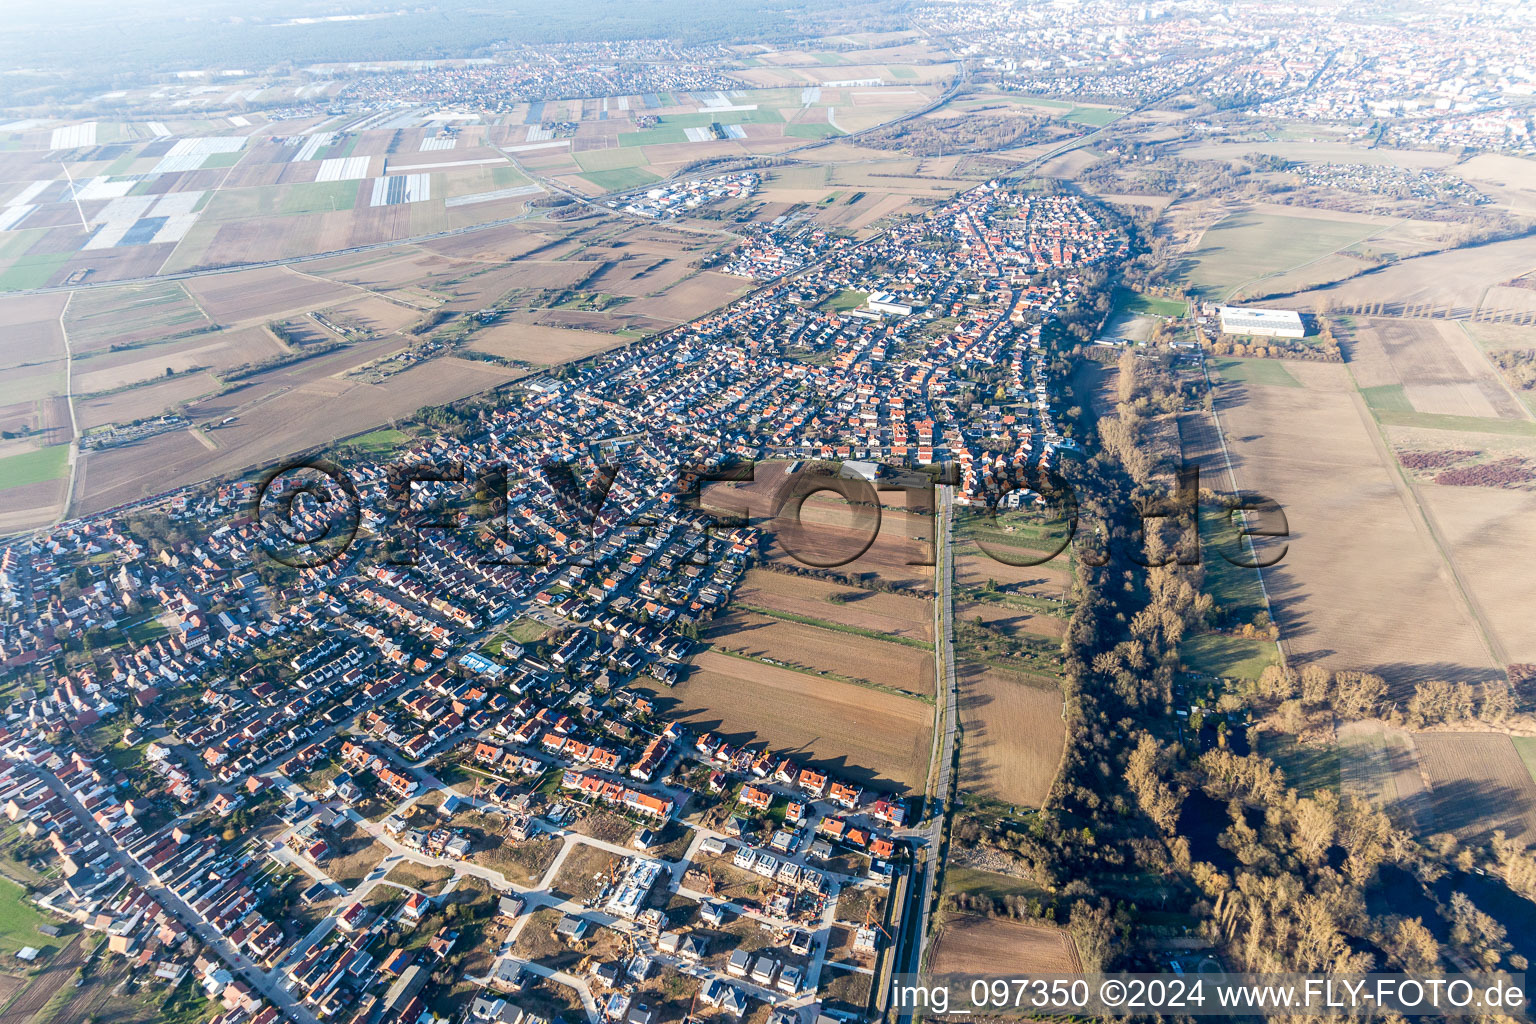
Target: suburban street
[[238, 965]]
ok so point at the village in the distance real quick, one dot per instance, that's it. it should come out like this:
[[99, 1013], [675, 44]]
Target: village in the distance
[[701, 516]]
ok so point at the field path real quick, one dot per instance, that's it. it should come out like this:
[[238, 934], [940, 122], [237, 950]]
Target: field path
[[1211, 424], [69, 400], [1498, 375], [1424, 524], [1375, 230]]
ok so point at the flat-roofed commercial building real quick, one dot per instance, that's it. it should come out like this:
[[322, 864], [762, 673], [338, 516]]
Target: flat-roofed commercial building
[[1263, 323], [886, 302]]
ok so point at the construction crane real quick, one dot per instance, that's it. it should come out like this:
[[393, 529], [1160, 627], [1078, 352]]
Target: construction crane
[[869, 921]]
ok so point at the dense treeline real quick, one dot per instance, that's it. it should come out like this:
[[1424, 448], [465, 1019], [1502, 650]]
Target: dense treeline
[[1148, 812], [970, 133]]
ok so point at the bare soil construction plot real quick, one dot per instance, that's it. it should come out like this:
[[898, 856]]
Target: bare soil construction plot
[[899, 555], [151, 398], [373, 314], [1014, 734], [1360, 561], [894, 614], [975, 568], [823, 651], [216, 351], [876, 738], [995, 946], [31, 332], [689, 297], [32, 505], [1478, 784], [540, 345], [886, 562]]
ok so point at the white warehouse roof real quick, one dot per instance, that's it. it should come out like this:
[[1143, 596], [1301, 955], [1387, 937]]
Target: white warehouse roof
[[1284, 323]]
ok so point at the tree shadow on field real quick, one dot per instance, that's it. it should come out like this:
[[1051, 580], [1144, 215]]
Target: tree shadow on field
[[1402, 675], [1473, 810], [977, 773]]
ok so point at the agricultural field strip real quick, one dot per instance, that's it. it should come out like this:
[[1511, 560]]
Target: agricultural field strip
[[807, 620], [1424, 523]]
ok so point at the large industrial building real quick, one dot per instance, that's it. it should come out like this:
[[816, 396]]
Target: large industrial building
[[1263, 323]]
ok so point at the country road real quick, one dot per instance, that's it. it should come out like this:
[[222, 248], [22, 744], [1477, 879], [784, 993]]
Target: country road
[[908, 958]]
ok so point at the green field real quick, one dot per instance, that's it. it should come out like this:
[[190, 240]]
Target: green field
[[19, 920], [1220, 655], [105, 314], [621, 179], [704, 118], [222, 159], [506, 177], [1307, 768], [379, 442], [649, 137], [146, 630], [811, 130], [1096, 117], [32, 271], [16, 387], [1525, 746], [1268, 373], [1234, 588], [34, 467], [844, 300], [14, 243], [522, 631], [1130, 301], [318, 197], [1245, 247], [1387, 398], [973, 880], [610, 159], [1468, 424]]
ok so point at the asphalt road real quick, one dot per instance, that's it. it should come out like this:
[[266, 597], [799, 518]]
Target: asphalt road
[[238, 965], [915, 916]]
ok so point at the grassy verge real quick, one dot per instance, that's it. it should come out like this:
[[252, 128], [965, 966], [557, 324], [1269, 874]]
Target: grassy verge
[[850, 680], [838, 627]]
